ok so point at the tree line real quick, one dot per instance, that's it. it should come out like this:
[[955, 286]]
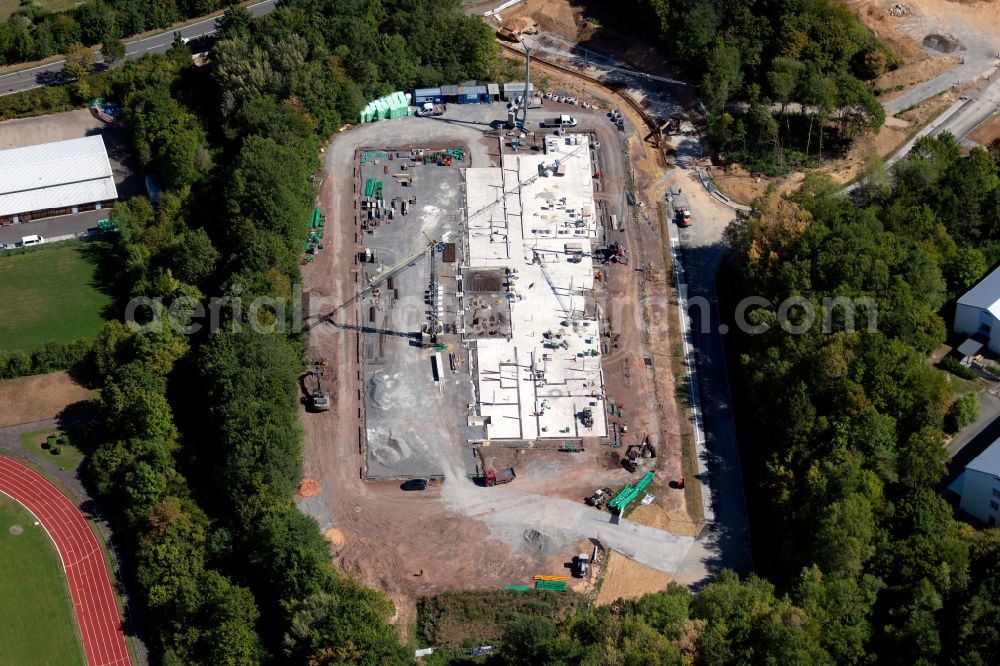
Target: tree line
[[202, 445]]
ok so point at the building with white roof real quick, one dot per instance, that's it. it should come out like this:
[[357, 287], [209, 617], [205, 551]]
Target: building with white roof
[[979, 485], [59, 178], [535, 324]]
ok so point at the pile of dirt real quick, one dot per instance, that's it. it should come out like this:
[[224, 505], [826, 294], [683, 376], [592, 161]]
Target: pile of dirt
[[308, 488], [540, 543], [335, 537], [627, 579], [942, 43]]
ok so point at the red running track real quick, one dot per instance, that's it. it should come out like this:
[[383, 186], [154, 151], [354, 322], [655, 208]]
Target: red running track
[[82, 559]]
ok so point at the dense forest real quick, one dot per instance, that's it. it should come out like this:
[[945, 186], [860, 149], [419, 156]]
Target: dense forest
[[783, 81], [202, 445], [32, 33]]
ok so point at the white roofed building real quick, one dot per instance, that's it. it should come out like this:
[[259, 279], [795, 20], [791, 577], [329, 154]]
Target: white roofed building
[[59, 178], [979, 485]]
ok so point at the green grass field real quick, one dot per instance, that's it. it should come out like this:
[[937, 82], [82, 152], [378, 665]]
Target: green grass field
[[49, 296], [68, 457], [36, 616], [8, 7]]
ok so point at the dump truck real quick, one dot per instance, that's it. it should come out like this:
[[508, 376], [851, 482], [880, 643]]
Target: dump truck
[[495, 478], [682, 212], [562, 120], [318, 398], [429, 109]]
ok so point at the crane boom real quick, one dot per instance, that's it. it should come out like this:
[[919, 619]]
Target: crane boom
[[400, 265]]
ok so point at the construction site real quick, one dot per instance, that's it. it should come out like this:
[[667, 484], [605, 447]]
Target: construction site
[[480, 312]]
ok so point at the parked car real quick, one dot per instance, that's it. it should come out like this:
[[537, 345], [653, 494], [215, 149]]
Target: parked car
[[414, 484], [28, 241]]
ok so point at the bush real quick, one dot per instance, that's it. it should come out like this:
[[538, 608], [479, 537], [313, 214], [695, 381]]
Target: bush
[[955, 367], [56, 450], [963, 412]]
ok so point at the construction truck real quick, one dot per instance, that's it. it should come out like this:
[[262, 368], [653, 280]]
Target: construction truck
[[430, 109], [562, 120], [318, 398], [682, 212], [496, 478]]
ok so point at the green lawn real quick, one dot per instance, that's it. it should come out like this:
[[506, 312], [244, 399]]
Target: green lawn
[[49, 296], [8, 7], [68, 457], [36, 616]]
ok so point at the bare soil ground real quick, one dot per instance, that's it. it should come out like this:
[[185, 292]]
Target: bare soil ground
[[627, 579], [40, 397], [673, 521], [988, 131]]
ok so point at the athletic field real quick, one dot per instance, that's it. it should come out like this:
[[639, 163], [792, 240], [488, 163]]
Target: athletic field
[[49, 295], [36, 617]]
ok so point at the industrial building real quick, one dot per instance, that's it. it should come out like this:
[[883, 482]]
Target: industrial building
[[59, 178], [977, 315], [527, 295], [979, 485]]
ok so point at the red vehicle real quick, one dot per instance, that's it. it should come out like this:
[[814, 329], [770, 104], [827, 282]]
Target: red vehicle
[[494, 478]]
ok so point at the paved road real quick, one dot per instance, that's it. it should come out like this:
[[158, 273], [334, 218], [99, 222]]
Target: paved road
[[53, 226], [51, 73]]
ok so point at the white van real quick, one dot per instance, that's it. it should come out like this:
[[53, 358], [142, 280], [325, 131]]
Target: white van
[[28, 241]]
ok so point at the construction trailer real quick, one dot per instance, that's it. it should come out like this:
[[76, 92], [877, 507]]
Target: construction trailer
[[472, 94], [515, 89], [425, 95]]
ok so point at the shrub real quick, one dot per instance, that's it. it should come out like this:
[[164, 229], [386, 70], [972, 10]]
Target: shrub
[[955, 367]]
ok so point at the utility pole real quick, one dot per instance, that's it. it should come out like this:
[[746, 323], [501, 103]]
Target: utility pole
[[524, 104]]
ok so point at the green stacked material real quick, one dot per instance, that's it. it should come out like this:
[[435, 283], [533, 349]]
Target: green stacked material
[[371, 157], [552, 585], [517, 588], [316, 219], [618, 498], [393, 105], [106, 225], [629, 493], [455, 153], [567, 446], [373, 188]]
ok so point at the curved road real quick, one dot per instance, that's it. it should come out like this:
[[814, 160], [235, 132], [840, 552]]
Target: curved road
[[82, 558], [52, 73]]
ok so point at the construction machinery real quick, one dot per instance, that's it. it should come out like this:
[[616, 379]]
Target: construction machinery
[[599, 498], [493, 477], [636, 452], [318, 399]]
